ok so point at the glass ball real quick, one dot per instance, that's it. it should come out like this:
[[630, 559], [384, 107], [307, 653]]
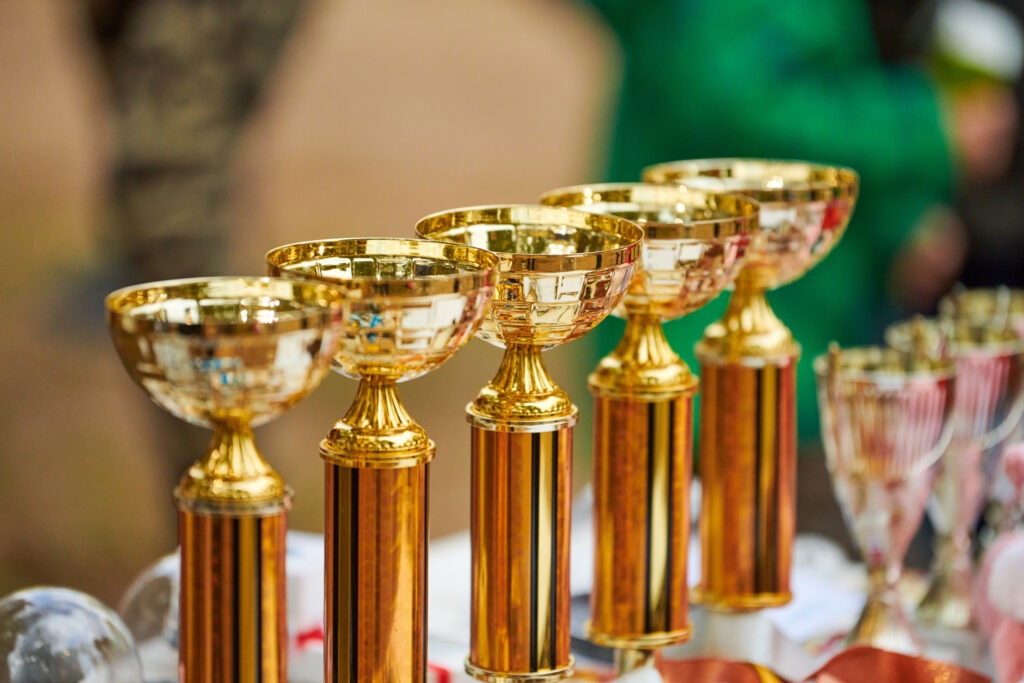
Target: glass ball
[[56, 635]]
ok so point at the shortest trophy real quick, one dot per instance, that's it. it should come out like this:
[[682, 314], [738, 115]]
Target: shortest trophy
[[228, 354], [885, 420]]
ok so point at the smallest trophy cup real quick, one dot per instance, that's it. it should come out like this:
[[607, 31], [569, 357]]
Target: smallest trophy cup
[[229, 353], [885, 420], [990, 369]]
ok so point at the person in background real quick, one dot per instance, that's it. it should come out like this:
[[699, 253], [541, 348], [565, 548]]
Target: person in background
[[801, 79]]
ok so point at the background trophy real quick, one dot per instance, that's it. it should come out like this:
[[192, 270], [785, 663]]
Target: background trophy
[[228, 354], [694, 244], [414, 303], [562, 272], [885, 419], [748, 371], [989, 362], [1000, 307]]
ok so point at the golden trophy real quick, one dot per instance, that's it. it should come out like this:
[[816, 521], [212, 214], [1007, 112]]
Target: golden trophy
[[694, 245], [413, 304], [748, 371], [885, 420], [229, 353], [562, 272], [989, 361]]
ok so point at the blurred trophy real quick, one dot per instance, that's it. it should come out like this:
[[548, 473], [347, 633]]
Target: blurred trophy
[[229, 353], [414, 303], [1000, 307], [989, 362], [562, 272], [694, 244], [885, 419], [748, 371]]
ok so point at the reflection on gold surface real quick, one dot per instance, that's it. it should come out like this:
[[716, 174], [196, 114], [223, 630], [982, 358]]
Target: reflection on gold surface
[[561, 273], [748, 362], [228, 353], [412, 305]]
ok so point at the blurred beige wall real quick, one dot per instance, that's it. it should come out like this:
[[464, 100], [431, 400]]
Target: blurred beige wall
[[383, 111]]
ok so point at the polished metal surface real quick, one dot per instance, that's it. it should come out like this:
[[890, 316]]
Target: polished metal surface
[[561, 273], [989, 403], [229, 353], [694, 245], [748, 421], [414, 304], [885, 421]]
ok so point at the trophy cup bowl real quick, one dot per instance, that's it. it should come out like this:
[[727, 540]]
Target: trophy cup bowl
[[561, 273], [229, 353], [805, 207], [694, 245], [885, 419], [999, 307], [989, 402], [413, 304], [748, 371]]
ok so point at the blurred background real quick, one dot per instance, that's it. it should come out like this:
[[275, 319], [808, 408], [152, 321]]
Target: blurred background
[[144, 139]]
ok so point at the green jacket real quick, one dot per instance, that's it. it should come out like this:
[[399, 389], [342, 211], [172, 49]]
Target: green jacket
[[793, 79]]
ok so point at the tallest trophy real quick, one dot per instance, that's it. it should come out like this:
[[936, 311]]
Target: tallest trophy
[[748, 369]]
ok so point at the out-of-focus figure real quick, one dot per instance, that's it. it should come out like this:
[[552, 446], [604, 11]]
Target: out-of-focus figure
[[809, 80]]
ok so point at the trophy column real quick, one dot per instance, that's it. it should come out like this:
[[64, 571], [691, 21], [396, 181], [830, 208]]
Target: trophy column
[[520, 514], [747, 455], [376, 462], [643, 401], [232, 614]]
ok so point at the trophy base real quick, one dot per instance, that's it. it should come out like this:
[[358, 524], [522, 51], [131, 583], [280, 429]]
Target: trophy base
[[718, 602], [549, 676], [947, 604], [644, 641]]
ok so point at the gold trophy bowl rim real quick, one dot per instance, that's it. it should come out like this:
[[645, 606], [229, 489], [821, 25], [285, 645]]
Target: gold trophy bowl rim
[[742, 219], [969, 337], [981, 303], [282, 261], [437, 225], [874, 364], [319, 298], [827, 182]]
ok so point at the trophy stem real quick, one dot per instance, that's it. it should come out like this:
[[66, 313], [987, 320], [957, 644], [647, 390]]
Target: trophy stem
[[947, 602], [643, 436], [627, 660], [232, 528], [748, 450], [376, 476], [883, 622], [519, 526]]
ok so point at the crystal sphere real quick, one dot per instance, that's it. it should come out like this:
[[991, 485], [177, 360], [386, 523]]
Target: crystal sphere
[[56, 635]]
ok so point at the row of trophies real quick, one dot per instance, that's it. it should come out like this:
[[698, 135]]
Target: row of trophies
[[231, 353]]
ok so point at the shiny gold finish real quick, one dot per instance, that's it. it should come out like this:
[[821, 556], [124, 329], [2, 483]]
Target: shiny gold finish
[[376, 535], [233, 597], [519, 527], [748, 361], [562, 272], [413, 304], [695, 243], [989, 358], [885, 420], [229, 353], [748, 504]]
